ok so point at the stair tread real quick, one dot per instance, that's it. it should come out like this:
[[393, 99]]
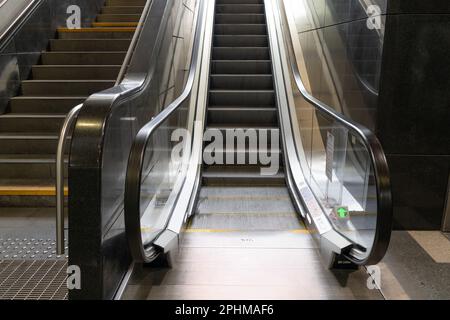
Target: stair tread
[[243, 75], [120, 24], [239, 61], [28, 158], [82, 52], [29, 187], [68, 81], [241, 126], [32, 115], [246, 90], [49, 97], [246, 108], [244, 171], [28, 135], [75, 66], [98, 29]]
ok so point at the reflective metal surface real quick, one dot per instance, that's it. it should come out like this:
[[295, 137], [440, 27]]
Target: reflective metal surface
[[248, 266], [102, 141], [157, 165], [343, 164], [60, 152], [68, 127], [342, 42]]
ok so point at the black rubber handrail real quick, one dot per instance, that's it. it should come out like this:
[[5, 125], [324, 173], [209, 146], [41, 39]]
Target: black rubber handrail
[[137, 154], [377, 156]]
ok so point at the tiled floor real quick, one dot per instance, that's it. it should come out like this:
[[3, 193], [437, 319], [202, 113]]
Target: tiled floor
[[410, 272], [27, 222]]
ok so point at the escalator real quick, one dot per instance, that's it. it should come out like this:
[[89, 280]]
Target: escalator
[[254, 191]]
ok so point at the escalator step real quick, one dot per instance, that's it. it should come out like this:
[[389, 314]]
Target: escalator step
[[241, 41], [241, 97], [240, 29], [241, 18], [240, 8], [241, 82], [240, 176], [256, 115], [241, 53], [241, 67]]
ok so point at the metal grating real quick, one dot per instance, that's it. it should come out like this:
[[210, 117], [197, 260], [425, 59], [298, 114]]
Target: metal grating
[[33, 280]]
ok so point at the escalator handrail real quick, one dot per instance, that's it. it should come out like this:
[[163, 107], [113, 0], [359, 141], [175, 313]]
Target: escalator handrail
[[134, 41], [138, 150], [377, 156], [67, 129], [88, 143]]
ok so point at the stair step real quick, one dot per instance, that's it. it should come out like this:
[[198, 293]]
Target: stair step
[[222, 115], [239, 1], [240, 8], [126, 2], [83, 58], [241, 18], [241, 53], [28, 143], [241, 82], [75, 72], [122, 10], [240, 29], [241, 41], [240, 176], [115, 24], [252, 133], [28, 193], [64, 87], [245, 157], [29, 187], [89, 44], [241, 67], [14, 122], [118, 17], [96, 33], [241, 97], [44, 105], [28, 166]]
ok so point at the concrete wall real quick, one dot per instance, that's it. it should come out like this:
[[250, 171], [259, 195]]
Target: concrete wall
[[9, 9]]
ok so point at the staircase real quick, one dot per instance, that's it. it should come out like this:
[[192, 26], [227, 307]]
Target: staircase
[[241, 94], [78, 63]]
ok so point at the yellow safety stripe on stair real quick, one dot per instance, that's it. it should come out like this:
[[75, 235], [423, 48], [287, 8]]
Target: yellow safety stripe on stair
[[30, 191], [87, 30], [115, 24]]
